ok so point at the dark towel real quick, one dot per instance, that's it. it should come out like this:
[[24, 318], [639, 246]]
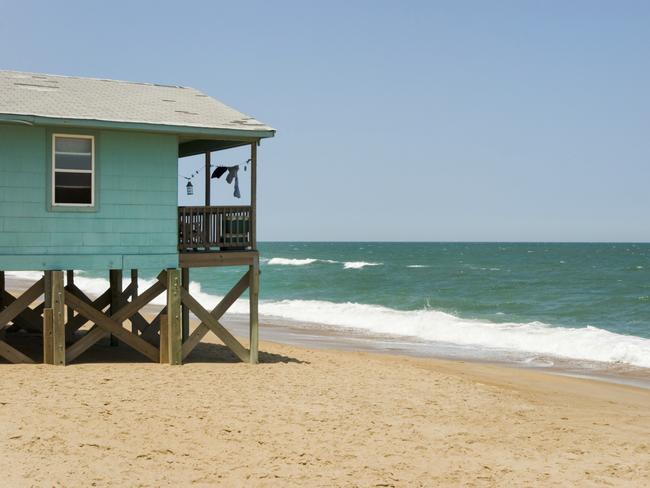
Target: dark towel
[[217, 173]]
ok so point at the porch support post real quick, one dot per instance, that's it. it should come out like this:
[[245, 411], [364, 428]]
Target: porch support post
[[2, 289], [173, 323], [115, 279], [163, 347], [254, 289], [207, 179], [185, 319], [253, 219], [48, 338], [134, 295], [69, 332], [57, 298]]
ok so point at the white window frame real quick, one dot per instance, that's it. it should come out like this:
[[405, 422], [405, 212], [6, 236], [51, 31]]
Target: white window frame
[[91, 170]]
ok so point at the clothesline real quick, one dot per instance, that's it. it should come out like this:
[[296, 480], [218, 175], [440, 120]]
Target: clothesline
[[199, 170], [218, 173]]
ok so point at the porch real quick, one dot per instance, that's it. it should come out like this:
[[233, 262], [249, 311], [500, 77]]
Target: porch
[[215, 228]]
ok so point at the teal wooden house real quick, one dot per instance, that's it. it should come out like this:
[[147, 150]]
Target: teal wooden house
[[89, 173]]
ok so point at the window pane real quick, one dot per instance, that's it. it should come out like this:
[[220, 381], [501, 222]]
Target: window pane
[[73, 145], [73, 161], [73, 188]]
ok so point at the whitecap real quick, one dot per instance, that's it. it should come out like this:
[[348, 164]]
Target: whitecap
[[418, 266], [298, 262], [291, 262], [358, 264]]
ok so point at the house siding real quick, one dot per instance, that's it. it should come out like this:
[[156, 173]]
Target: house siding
[[133, 224]]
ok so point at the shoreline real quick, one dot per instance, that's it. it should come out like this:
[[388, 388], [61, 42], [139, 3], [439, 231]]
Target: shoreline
[[319, 336]]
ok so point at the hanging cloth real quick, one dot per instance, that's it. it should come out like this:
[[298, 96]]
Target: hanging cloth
[[232, 174], [218, 173]]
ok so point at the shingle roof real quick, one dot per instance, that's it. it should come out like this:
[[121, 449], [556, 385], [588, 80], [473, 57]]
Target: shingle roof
[[70, 97]]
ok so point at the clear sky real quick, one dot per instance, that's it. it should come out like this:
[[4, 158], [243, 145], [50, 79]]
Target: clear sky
[[454, 120]]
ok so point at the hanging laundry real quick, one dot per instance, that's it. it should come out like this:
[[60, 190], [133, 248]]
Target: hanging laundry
[[218, 173], [232, 174]]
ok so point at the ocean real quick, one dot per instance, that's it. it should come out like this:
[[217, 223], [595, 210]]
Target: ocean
[[520, 301]]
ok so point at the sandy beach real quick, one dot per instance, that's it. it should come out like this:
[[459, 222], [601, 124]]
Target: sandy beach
[[307, 417]]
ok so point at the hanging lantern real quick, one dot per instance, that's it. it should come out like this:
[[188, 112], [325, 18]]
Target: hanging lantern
[[189, 188]]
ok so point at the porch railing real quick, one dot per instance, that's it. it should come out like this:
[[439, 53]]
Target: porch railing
[[214, 228]]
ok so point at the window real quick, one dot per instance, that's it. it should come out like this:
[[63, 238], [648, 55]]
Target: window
[[73, 166]]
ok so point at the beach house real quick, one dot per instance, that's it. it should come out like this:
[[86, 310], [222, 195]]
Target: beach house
[[89, 177]]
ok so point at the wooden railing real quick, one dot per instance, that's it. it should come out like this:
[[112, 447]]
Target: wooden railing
[[214, 228]]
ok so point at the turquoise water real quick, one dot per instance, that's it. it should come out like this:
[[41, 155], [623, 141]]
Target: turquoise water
[[603, 285], [583, 301]]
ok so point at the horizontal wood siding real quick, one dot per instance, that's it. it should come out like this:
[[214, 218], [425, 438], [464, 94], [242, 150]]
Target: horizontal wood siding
[[136, 214]]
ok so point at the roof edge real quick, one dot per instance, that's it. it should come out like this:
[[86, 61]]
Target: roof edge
[[37, 120]]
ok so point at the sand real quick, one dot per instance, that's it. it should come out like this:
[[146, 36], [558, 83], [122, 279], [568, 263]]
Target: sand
[[315, 418]]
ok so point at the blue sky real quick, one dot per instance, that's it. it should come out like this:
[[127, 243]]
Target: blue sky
[[503, 121]]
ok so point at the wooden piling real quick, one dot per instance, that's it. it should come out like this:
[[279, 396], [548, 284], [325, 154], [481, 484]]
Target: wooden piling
[[253, 299], [2, 289], [164, 340], [69, 331], [134, 295], [115, 280], [58, 317], [48, 336], [173, 322], [185, 311]]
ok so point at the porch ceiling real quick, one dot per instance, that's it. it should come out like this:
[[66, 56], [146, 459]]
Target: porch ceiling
[[191, 147]]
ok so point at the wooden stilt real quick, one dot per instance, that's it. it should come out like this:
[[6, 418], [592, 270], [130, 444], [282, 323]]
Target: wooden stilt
[[164, 340], [254, 287], [69, 331], [115, 279], [47, 289], [48, 336], [174, 316], [185, 283], [2, 289], [58, 318], [134, 294]]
